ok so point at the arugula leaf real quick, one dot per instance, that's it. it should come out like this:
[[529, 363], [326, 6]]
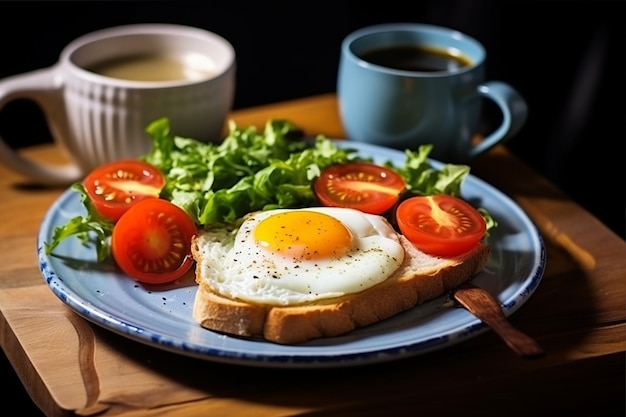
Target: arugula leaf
[[91, 229], [218, 184], [422, 179]]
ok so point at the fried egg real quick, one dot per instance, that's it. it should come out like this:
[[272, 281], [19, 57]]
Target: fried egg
[[292, 256]]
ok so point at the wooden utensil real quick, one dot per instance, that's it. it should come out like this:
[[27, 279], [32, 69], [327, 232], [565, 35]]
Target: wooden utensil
[[483, 305]]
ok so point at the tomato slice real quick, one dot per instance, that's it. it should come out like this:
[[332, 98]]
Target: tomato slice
[[367, 187], [151, 242], [116, 186], [440, 225]]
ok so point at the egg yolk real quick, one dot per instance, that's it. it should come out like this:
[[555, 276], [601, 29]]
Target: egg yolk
[[303, 235]]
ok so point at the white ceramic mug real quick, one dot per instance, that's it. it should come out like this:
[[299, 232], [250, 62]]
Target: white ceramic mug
[[99, 115], [405, 84]]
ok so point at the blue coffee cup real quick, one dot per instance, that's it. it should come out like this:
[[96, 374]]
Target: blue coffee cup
[[401, 85]]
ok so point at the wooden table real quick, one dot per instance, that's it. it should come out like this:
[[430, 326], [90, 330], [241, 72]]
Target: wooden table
[[578, 314]]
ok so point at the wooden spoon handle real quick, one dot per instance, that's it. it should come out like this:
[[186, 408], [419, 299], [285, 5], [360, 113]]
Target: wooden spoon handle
[[481, 303]]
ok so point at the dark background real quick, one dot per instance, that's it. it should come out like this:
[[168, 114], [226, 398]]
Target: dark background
[[567, 58]]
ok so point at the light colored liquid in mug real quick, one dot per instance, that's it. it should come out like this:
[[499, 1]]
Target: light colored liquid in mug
[[150, 68]]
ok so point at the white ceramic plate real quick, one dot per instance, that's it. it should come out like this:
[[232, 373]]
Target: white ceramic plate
[[160, 316]]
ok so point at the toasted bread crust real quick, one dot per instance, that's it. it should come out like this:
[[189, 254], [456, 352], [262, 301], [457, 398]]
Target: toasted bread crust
[[419, 279]]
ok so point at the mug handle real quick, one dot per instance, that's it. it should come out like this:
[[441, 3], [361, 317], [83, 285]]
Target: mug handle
[[514, 111], [44, 88]]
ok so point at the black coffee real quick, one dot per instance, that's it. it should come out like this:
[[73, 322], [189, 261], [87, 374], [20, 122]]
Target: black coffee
[[415, 58]]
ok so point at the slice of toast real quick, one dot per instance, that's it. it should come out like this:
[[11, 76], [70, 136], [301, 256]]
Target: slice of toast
[[420, 278]]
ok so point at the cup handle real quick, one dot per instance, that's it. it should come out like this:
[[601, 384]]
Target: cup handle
[[514, 111], [43, 87]]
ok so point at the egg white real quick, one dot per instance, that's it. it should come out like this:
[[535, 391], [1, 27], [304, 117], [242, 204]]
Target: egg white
[[239, 268]]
